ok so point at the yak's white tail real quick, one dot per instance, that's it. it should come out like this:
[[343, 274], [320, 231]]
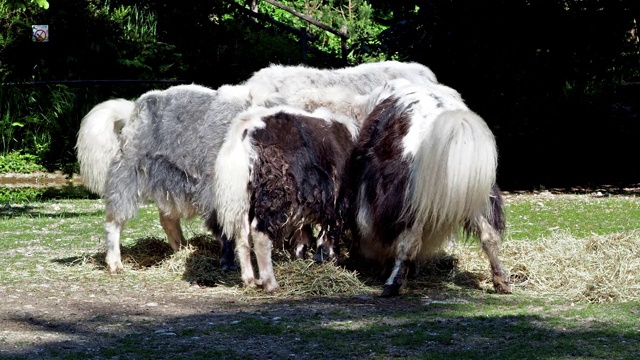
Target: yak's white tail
[[232, 172], [452, 174], [99, 141]]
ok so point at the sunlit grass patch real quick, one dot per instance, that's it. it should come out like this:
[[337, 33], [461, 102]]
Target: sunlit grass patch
[[537, 216]]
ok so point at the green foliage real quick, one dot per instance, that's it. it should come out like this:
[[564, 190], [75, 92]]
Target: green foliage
[[23, 195], [22, 4], [33, 117], [141, 52], [102, 42], [139, 25], [356, 15], [19, 196], [16, 162]]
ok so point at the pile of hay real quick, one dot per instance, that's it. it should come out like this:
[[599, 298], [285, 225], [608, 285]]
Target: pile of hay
[[306, 278], [595, 269], [199, 263]]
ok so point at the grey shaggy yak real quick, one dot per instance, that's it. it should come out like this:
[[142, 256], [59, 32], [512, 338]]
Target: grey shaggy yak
[[162, 147]]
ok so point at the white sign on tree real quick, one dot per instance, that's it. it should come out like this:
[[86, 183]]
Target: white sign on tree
[[40, 33]]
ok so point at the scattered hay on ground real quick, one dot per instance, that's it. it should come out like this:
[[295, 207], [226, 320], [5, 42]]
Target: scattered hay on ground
[[595, 269], [146, 252], [199, 263]]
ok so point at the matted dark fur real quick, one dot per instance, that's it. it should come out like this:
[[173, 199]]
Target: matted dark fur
[[298, 169], [377, 166], [295, 162]]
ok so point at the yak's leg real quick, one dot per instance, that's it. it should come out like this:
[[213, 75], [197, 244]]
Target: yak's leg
[[262, 246], [113, 259], [396, 280], [408, 241], [490, 241], [227, 257], [243, 251], [171, 226], [302, 238], [123, 191]]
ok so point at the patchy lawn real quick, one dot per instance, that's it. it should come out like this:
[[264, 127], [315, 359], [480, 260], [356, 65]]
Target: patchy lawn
[[573, 260]]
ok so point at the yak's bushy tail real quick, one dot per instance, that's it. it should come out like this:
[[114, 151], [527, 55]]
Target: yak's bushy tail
[[232, 172], [99, 141], [453, 173]]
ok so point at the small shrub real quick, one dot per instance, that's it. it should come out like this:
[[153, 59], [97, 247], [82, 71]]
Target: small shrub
[[19, 196], [16, 162]]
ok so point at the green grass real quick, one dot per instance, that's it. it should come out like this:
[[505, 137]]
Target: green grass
[[45, 244], [531, 219]]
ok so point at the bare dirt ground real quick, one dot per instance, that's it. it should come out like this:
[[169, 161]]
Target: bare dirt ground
[[172, 321], [131, 316], [38, 180]]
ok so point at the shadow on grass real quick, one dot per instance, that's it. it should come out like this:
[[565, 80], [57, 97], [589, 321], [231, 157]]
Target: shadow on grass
[[199, 264], [437, 274], [198, 261], [353, 328], [16, 202], [8, 211]]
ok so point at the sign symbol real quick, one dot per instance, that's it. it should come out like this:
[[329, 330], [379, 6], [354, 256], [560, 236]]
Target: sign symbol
[[40, 33]]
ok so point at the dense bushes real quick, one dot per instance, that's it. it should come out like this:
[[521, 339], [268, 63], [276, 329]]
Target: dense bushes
[[48, 87]]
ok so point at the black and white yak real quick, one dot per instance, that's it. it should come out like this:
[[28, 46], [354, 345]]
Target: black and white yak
[[162, 146], [424, 166], [278, 170]]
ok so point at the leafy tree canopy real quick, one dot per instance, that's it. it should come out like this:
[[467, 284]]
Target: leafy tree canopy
[[22, 4]]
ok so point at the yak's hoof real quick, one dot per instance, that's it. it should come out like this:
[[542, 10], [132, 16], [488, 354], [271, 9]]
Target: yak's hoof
[[115, 271], [390, 290], [115, 268], [270, 287], [502, 287]]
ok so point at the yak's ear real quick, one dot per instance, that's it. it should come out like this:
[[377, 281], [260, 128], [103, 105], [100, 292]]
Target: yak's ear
[[238, 94]]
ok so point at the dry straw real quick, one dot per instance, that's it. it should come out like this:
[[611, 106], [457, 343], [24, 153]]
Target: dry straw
[[595, 269]]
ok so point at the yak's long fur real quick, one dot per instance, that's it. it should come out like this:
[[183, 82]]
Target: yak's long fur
[[99, 140], [278, 170], [304, 87], [424, 166], [171, 138]]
